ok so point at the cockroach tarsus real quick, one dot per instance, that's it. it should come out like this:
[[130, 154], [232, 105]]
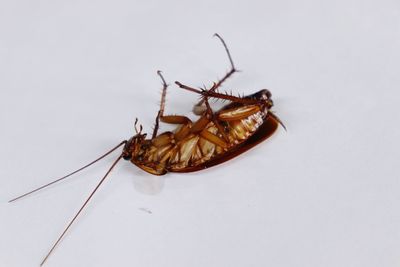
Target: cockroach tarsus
[[212, 139]]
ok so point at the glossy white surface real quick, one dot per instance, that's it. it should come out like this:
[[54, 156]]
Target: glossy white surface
[[74, 75]]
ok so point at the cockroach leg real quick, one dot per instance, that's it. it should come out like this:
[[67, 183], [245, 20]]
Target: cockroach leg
[[216, 140], [221, 130], [207, 93], [171, 119], [188, 88], [185, 121], [175, 119], [231, 71], [223, 79], [162, 105]]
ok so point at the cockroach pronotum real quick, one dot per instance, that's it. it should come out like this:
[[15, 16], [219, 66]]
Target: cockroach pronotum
[[213, 139]]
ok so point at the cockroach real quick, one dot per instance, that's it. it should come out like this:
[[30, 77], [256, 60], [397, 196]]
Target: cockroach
[[215, 137]]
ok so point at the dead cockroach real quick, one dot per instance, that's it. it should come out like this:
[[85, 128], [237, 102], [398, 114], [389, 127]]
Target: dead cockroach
[[213, 139]]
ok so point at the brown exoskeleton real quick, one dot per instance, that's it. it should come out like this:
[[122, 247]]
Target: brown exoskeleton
[[215, 137]]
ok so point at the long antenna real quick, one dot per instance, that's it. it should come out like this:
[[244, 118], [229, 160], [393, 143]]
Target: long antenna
[[79, 211], [68, 175]]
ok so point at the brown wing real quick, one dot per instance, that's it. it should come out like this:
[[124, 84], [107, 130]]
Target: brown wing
[[263, 132]]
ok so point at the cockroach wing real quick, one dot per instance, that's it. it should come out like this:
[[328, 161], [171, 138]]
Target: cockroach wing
[[263, 132]]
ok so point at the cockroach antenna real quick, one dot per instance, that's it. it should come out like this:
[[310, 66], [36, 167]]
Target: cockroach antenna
[[68, 175], [87, 200], [80, 210]]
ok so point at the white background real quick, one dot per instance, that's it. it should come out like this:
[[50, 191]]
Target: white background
[[75, 74]]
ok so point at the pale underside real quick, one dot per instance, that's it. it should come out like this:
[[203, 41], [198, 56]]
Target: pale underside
[[166, 154]]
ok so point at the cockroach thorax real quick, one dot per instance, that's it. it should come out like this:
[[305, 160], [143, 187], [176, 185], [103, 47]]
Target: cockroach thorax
[[265, 96]]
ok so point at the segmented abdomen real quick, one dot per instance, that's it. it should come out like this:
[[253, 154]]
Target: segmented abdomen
[[166, 154]]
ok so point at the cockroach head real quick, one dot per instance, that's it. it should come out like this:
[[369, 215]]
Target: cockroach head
[[132, 146]]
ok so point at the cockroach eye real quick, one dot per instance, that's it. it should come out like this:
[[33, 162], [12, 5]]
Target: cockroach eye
[[127, 157], [265, 94]]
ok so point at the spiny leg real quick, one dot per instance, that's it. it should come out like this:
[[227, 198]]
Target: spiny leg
[[207, 115], [176, 119], [162, 105], [231, 71], [172, 119], [223, 79], [209, 93], [214, 120]]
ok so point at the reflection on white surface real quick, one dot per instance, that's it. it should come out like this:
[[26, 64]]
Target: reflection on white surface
[[149, 184]]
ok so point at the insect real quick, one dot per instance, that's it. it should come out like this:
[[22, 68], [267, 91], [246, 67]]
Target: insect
[[215, 137]]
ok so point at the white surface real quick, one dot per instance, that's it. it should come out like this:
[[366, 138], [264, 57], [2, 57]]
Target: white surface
[[74, 75]]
